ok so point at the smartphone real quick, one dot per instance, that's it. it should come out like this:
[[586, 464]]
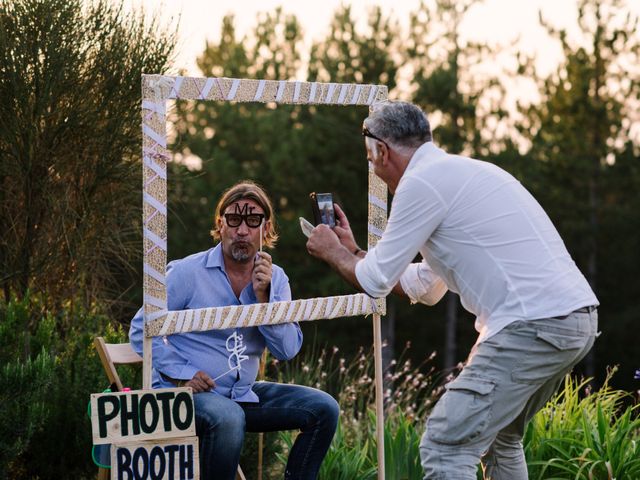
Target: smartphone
[[322, 208]]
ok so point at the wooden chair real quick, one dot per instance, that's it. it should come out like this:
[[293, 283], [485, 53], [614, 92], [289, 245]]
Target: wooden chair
[[112, 354]]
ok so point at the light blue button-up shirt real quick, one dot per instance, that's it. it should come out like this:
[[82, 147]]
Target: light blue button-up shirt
[[231, 356]]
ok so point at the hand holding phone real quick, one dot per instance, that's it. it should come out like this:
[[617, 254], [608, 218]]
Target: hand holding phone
[[322, 208]]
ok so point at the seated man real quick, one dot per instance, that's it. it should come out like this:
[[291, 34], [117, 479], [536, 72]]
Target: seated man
[[221, 365]]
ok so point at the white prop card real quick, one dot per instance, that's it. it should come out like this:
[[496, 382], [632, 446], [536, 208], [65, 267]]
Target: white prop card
[[138, 415], [306, 227], [170, 459]]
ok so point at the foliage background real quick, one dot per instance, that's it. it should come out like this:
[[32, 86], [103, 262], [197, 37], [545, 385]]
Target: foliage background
[[575, 150], [70, 249]]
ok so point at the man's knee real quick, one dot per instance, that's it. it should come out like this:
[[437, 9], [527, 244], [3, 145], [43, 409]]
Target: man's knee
[[326, 410], [505, 449], [232, 421], [227, 418], [505, 459], [445, 462]]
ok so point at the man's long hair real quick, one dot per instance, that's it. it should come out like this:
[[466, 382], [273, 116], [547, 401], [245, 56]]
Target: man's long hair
[[247, 190]]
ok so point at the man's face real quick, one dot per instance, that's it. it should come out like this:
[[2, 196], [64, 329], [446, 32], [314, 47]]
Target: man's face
[[374, 155], [240, 243]]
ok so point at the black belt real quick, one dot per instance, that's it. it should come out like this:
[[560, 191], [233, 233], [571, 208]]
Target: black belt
[[588, 309]]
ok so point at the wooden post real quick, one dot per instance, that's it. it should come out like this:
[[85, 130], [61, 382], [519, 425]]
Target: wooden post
[[147, 347], [377, 353]]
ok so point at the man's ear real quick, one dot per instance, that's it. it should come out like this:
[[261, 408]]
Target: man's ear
[[384, 152]]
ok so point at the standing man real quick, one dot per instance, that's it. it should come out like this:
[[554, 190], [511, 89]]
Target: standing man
[[483, 236], [221, 365]]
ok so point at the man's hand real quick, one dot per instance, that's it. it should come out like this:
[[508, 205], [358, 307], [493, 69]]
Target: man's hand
[[343, 230], [201, 382], [323, 243], [261, 276]]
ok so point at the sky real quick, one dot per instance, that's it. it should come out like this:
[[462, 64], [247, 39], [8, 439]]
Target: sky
[[491, 21]]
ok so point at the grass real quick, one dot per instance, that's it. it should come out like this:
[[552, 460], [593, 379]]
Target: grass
[[580, 434], [587, 435]]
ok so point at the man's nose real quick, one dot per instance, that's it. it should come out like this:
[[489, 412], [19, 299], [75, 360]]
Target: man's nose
[[243, 229]]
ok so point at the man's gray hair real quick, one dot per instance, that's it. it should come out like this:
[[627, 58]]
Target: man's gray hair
[[401, 123]]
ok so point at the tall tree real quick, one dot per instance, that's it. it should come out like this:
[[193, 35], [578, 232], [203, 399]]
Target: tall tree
[[69, 143], [446, 85], [588, 108], [349, 54], [291, 150], [236, 141]]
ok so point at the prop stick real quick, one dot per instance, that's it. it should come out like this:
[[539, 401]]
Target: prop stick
[[261, 235], [377, 353], [228, 371]]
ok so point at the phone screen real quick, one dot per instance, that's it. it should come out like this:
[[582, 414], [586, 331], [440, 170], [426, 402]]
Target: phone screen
[[323, 209]]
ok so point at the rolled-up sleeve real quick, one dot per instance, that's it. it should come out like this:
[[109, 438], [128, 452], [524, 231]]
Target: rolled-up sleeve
[[422, 285], [416, 211]]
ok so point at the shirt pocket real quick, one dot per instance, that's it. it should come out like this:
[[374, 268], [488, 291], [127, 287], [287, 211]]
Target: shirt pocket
[[463, 412]]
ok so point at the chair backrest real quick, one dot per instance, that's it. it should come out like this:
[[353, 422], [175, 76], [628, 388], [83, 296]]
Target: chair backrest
[[112, 354]]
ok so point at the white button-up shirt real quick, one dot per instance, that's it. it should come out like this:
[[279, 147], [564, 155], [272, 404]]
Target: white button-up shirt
[[482, 235]]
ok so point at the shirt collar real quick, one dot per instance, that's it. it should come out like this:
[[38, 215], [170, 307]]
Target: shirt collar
[[425, 151], [214, 258]]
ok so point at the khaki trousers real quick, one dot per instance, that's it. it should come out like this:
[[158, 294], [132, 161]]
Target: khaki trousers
[[507, 379]]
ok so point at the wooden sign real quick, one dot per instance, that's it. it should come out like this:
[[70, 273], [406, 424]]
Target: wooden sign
[[139, 415], [170, 459]]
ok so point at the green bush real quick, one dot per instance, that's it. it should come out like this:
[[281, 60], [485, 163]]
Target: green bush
[[409, 390], [355, 456], [45, 432], [24, 386], [578, 436], [401, 447], [345, 459]]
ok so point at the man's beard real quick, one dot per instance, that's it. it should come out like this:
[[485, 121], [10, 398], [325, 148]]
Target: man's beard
[[240, 252]]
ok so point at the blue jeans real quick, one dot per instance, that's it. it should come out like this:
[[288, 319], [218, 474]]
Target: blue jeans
[[221, 424]]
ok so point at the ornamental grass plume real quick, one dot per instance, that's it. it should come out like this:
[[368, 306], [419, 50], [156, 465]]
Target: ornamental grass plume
[[410, 390], [409, 393]]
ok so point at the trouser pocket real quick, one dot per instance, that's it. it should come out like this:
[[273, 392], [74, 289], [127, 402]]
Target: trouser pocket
[[548, 354], [463, 412]]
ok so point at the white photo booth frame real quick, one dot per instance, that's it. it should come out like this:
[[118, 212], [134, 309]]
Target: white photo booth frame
[[156, 91]]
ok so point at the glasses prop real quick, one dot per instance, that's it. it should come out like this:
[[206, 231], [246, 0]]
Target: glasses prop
[[252, 220]]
